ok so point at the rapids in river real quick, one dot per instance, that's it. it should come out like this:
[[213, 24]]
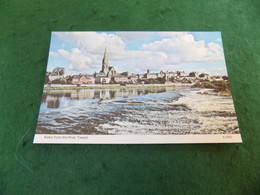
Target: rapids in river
[[136, 111]]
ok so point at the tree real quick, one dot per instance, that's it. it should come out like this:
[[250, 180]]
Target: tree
[[225, 78], [151, 81], [59, 71]]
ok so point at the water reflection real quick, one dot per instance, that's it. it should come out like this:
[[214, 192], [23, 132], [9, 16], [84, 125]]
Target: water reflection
[[150, 111], [53, 97]]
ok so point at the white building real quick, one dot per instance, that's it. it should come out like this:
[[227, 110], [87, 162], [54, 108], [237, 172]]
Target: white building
[[102, 80]]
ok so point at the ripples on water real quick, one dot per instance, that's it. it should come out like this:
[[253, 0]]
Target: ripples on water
[[159, 111]]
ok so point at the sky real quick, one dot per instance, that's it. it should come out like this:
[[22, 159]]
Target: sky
[[135, 52]]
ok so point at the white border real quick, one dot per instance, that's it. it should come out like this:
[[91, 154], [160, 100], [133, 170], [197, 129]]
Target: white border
[[135, 139]]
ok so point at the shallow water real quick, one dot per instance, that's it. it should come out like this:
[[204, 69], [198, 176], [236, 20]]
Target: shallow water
[[146, 111]]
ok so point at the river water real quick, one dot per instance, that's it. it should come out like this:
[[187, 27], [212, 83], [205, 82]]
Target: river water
[[138, 111]]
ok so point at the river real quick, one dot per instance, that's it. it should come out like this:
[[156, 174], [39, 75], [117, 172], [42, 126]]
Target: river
[[136, 111]]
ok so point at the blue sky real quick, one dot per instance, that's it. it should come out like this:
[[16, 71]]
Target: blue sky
[[82, 52]]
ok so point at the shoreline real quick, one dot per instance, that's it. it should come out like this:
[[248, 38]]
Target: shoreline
[[112, 86], [214, 113]]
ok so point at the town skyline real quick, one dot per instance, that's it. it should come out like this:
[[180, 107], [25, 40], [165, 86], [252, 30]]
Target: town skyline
[[135, 52], [109, 75]]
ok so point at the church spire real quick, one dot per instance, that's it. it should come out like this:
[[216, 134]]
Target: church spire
[[105, 63], [105, 54]]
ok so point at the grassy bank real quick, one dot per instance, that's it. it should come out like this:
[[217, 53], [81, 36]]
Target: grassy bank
[[107, 87], [221, 87]]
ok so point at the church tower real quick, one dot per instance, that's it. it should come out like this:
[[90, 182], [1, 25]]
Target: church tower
[[105, 63]]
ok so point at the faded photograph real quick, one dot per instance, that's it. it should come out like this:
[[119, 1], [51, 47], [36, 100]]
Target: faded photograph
[[136, 83]]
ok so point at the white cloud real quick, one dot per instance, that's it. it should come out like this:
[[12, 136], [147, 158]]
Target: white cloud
[[54, 54], [215, 52], [79, 61], [134, 36], [94, 42], [173, 49], [184, 48]]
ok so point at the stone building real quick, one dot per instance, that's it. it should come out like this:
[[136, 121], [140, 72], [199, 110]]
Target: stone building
[[149, 75], [160, 74], [133, 79], [169, 75], [108, 71], [56, 74], [128, 74], [89, 79], [181, 74], [79, 79], [111, 71], [102, 80], [120, 79]]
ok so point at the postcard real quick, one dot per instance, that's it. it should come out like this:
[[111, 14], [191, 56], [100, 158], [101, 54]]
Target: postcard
[[136, 88]]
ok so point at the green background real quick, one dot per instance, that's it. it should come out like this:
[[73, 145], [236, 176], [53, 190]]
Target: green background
[[124, 169]]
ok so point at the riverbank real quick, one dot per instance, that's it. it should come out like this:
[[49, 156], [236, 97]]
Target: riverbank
[[213, 113], [112, 86], [220, 87]]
